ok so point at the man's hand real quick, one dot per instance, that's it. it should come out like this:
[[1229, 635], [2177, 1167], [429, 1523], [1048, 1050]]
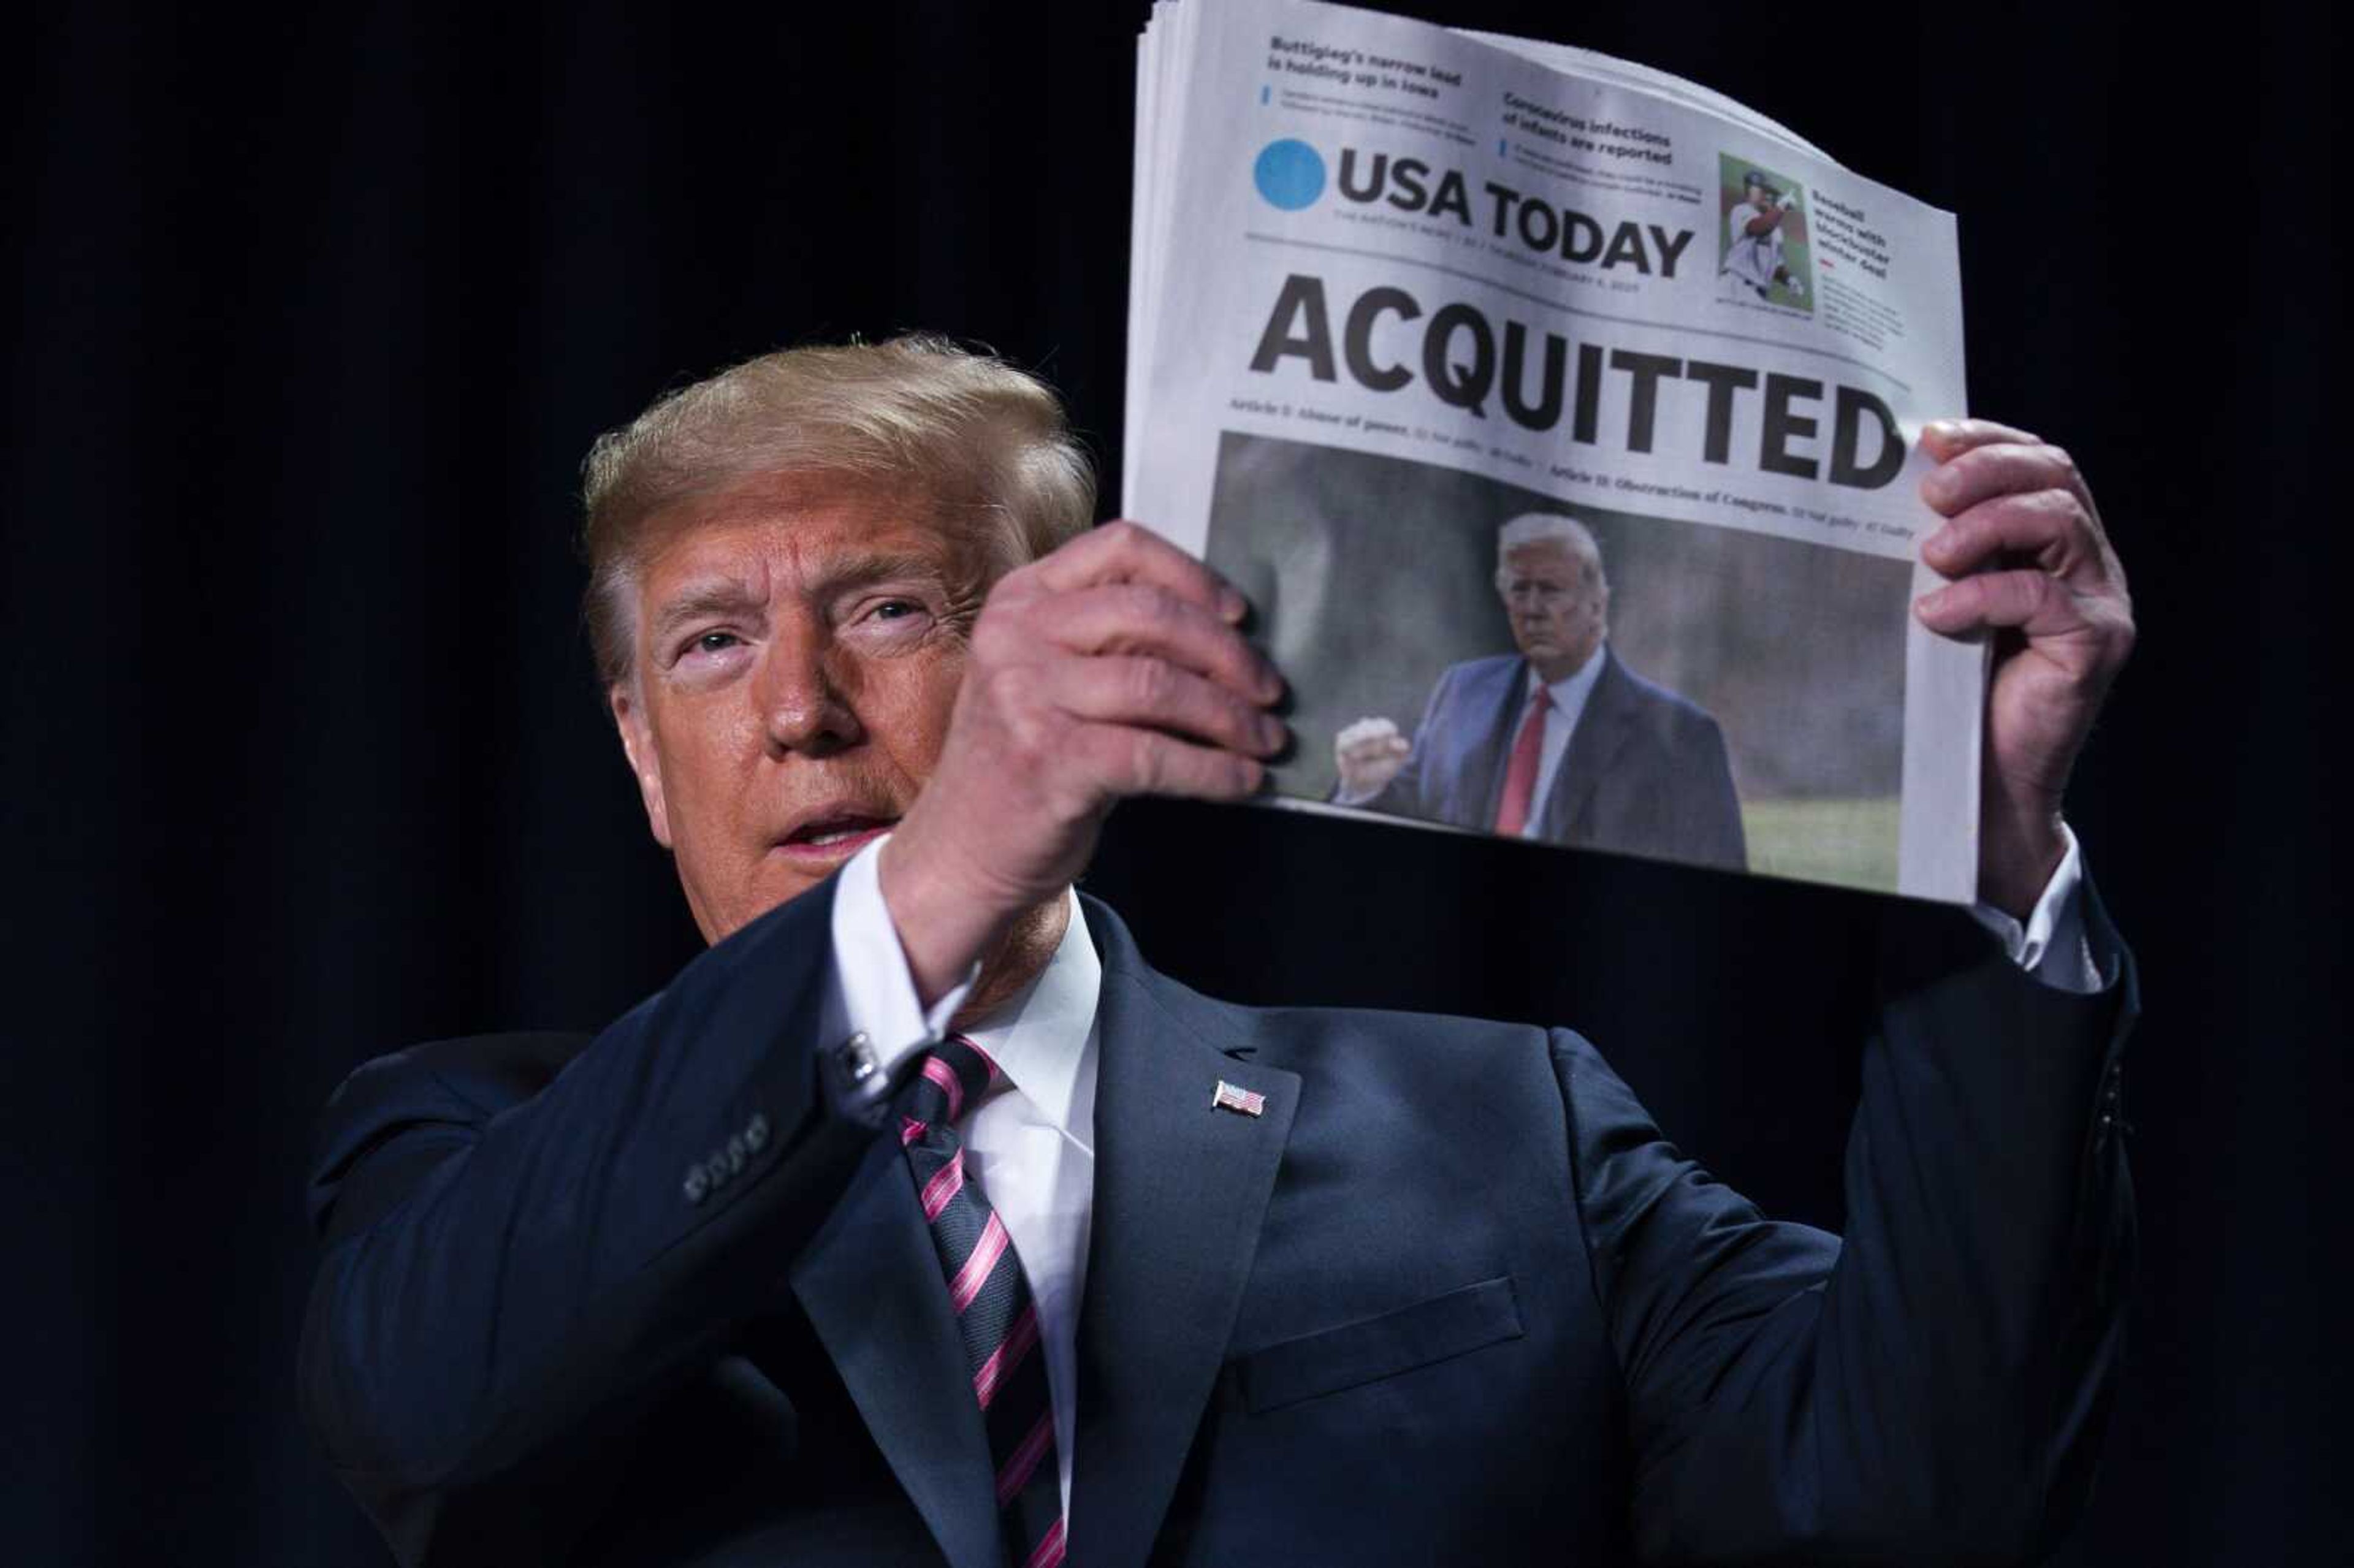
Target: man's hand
[[2035, 569], [1108, 668], [1369, 754]]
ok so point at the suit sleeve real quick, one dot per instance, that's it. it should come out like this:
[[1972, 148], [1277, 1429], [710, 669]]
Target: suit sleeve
[[1708, 809], [508, 1278], [1934, 1387]]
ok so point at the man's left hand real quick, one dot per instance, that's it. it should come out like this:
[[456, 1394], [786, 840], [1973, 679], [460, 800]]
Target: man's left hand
[[2036, 571]]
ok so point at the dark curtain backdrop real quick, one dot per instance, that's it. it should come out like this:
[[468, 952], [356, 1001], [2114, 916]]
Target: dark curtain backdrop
[[314, 315]]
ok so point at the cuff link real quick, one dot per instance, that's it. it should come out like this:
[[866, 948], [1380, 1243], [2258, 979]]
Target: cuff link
[[856, 1082], [856, 1056]]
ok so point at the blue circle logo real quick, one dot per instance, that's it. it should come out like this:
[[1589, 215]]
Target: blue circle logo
[[1289, 174]]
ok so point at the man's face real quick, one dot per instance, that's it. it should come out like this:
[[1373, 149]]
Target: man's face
[[799, 644], [1555, 607], [1760, 196]]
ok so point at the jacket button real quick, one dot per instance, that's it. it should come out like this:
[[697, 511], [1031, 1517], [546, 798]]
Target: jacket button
[[697, 1186], [756, 1132], [736, 1154]]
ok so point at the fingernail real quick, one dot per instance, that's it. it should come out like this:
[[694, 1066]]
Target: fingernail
[[1929, 603], [1271, 734], [1233, 606]]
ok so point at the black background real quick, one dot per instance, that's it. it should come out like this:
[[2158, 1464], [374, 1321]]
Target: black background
[[315, 316]]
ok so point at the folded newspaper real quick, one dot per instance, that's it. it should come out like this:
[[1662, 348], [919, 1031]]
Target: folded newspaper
[[1560, 420]]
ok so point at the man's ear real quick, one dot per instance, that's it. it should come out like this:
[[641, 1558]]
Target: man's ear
[[645, 757]]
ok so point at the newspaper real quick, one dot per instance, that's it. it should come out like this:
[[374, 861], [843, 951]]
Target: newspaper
[[1560, 420]]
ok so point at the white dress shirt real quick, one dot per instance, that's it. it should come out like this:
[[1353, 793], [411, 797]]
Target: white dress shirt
[[1031, 1147]]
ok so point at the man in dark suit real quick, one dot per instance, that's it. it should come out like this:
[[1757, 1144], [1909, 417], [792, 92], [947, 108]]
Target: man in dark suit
[[920, 1219], [1562, 742]]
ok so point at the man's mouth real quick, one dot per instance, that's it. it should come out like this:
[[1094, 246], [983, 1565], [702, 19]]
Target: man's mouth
[[825, 836], [833, 832]]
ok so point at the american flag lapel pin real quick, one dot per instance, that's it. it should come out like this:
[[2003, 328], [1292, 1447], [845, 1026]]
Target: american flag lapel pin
[[1228, 1096]]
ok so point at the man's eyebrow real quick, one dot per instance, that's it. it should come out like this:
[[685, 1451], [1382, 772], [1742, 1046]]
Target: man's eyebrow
[[723, 597], [730, 596], [876, 566]]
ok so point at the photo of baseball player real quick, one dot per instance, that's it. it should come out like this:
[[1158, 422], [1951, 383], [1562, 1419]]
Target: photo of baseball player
[[1766, 246]]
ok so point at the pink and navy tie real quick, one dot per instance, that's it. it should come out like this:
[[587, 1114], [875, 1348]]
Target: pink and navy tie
[[991, 1301]]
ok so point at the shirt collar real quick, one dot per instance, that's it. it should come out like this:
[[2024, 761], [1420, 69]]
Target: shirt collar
[[1043, 1039], [1569, 692]]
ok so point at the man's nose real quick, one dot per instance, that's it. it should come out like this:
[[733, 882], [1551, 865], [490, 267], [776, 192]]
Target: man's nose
[[800, 689]]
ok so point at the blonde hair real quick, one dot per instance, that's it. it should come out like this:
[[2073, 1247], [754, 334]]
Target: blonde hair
[[976, 435], [1533, 528]]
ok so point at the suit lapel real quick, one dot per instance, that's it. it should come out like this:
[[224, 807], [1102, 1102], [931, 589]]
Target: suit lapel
[[1602, 731], [1503, 706], [1181, 1190], [871, 1285]]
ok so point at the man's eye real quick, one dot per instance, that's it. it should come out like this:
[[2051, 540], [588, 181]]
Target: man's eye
[[714, 642], [897, 608]]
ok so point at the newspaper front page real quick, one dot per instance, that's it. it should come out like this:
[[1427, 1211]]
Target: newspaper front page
[[1560, 421]]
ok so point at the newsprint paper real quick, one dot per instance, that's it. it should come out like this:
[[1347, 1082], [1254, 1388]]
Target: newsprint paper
[[1560, 421]]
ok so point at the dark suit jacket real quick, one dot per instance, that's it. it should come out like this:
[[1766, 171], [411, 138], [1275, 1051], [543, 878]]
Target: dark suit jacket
[[1646, 771], [1451, 1299]]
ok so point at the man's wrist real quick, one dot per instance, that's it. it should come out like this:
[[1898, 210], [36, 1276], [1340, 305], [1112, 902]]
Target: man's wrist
[[2017, 853], [2055, 943], [879, 1017], [942, 932]]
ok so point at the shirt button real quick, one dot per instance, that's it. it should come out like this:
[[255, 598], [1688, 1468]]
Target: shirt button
[[698, 1186], [756, 1132]]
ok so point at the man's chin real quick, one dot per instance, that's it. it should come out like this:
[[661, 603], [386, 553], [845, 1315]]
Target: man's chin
[[782, 874]]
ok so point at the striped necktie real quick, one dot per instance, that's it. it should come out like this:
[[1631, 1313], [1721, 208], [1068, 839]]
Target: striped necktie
[[991, 1301]]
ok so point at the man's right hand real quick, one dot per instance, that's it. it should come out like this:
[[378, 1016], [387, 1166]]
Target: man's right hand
[[1369, 754], [1112, 667]]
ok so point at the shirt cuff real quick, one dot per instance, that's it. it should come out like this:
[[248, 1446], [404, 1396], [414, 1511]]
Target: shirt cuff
[[869, 989], [2053, 944]]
